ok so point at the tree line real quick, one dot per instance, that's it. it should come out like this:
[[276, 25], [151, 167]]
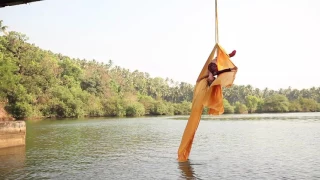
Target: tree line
[[37, 83]]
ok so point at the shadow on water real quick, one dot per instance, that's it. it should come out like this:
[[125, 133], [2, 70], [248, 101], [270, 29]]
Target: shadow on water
[[187, 171]]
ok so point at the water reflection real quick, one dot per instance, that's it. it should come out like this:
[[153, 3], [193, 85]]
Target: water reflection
[[187, 171], [145, 148], [12, 159]]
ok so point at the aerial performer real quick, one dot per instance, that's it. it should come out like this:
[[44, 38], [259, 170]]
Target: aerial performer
[[213, 70], [217, 72]]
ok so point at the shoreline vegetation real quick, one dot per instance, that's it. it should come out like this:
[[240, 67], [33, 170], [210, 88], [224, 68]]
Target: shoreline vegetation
[[37, 83]]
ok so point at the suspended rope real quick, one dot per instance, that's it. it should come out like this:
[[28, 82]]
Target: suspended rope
[[216, 22], [208, 94]]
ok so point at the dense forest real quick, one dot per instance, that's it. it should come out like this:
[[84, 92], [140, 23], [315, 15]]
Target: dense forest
[[37, 83]]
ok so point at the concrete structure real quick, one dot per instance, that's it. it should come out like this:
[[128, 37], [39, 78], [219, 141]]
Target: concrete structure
[[4, 3], [12, 133]]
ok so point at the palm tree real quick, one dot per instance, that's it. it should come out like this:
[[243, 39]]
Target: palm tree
[[3, 28]]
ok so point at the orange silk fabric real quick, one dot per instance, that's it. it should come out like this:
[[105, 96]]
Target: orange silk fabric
[[205, 96]]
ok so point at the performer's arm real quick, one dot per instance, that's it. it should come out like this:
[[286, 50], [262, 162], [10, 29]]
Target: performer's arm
[[227, 70]]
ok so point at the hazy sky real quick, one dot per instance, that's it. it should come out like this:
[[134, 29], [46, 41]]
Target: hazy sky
[[277, 41]]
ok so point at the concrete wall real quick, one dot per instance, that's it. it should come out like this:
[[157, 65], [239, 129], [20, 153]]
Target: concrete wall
[[12, 133]]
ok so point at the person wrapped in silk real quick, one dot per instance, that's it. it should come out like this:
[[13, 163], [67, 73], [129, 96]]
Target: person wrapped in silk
[[213, 70]]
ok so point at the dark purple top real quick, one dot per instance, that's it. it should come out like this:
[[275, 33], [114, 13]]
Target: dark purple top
[[213, 68]]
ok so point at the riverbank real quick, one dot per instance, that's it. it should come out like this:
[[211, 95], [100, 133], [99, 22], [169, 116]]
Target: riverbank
[[12, 133], [4, 116]]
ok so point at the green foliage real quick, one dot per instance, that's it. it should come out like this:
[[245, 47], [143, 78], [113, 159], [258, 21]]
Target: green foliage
[[36, 83], [159, 108], [205, 110], [183, 108], [170, 108], [94, 107], [21, 109], [70, 68], [135, 109], [9, 78], [20, 102], [276, 103], [252, 103], [67, 102], [308, 105], [114, 106], [294, 106], [228, 109], [148, 103], [260, 106], [240, 108]]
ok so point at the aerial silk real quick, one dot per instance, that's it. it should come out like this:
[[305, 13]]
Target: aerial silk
[[207, 96]]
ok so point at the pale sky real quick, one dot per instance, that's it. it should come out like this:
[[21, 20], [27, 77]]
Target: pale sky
[[277, 41]]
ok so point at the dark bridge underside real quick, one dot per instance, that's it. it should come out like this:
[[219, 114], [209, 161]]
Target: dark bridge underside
[[4, 3]]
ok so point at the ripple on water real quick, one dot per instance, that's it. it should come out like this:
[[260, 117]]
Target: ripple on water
[[239, 147]]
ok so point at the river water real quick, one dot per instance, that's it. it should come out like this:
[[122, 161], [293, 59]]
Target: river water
[[261, 146]]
